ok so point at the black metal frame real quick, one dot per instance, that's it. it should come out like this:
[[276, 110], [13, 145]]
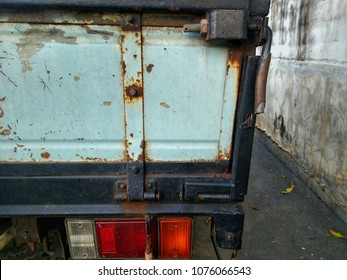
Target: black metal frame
[[64, 186], [254, 7]]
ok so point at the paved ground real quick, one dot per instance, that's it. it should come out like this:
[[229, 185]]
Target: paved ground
[[285, 227]]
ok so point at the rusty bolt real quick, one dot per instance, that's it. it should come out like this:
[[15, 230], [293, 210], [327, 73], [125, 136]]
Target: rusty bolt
[[133, 92], [122, 186], [135, 169], [130, 19]]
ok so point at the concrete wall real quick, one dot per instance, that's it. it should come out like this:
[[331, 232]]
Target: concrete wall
[[306, 109]]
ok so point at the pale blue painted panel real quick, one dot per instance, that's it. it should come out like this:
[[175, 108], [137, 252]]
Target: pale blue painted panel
[[185, 92], [62, 95]]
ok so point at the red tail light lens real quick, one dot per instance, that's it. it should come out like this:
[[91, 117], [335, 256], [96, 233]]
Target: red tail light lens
[[123, 238], [175, 238]]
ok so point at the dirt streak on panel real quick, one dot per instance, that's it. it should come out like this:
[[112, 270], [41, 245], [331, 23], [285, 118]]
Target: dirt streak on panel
[[34, 40]]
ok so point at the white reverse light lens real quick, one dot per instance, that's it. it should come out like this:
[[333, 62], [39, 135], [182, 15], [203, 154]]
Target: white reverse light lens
[[81, 239]]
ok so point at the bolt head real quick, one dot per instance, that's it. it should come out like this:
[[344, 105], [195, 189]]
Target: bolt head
[[133, 92], [135, 169]]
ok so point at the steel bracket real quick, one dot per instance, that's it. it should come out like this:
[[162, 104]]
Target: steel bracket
[[221, 25]]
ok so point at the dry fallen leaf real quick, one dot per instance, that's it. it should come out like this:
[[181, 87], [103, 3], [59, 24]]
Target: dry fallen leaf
[[253, 207], [336, 233], [208, 220], [290, 189]]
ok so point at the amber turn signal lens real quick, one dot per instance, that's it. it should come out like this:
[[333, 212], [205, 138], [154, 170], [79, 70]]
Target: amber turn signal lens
[[175, 238]]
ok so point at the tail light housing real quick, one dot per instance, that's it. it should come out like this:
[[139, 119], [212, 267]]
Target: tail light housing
[[175, 238], [120, 238], [81, 239], [124, 238]]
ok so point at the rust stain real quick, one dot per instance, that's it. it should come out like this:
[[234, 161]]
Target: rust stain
[[149, 68], [5, 132], [134, 93], [122, 38], [107, 103], [138, 208], [76, 78], [236, 55], [1, 112], [45, 155], [124, 67], [143, 144], [140, 158], [235, 59], [132, 135], [165, 105], [224, 155], [135, 56], [95, 159], [106, 35]]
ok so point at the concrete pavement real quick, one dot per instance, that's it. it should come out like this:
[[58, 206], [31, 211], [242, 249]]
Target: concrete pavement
[[283, 227]]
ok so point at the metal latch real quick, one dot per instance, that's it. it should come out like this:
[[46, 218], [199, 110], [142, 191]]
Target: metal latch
[[221, 25]]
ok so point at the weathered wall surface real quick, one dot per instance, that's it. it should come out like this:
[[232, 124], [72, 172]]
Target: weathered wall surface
[[306, 109]]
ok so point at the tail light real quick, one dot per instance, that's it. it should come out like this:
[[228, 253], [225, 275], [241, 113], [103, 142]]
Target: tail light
[[123, 238], [81, 239], [175, 238], [91, 239]]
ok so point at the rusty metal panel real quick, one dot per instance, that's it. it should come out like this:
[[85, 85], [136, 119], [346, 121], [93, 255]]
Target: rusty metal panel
[[102, 93], [190, 96], [61, 93]]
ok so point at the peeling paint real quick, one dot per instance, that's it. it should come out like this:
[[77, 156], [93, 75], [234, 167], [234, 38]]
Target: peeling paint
[[163, 104], [106, 35], [107, 103], [5, 132], [35, 38], [76, 78], [26, 66]]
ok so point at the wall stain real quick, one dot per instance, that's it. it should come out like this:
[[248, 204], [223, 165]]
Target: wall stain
[[279, 124]]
